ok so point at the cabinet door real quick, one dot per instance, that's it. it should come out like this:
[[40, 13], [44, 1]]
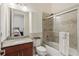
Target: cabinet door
[[26, 49], [11, 51], [27, 52], [20, 53]]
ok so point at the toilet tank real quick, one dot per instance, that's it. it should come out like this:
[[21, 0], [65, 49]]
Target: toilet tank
[[37, 42]]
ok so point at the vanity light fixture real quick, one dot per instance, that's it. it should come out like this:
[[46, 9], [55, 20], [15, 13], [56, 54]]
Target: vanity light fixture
[[24, 8], [18, 6], [13, 5]]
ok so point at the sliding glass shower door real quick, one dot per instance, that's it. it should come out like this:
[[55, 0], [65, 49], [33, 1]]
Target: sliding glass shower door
[[67, 22]]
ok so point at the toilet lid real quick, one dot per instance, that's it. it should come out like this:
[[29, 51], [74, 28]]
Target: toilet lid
[[41, 48]]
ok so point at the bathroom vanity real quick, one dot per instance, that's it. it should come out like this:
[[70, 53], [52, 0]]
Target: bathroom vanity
[[17, 29], [18, 47]]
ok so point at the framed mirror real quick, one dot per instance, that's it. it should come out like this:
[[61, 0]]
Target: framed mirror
[[19, 23]]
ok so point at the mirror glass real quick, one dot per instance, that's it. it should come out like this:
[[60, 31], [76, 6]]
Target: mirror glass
[[19, 23]]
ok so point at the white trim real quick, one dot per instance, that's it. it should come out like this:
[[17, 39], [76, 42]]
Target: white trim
[[24, 25], [30, 22], [78, 30], [17, 12], [0, 28]]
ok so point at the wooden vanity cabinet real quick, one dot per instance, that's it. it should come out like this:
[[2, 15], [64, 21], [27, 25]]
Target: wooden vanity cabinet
[[19, 50]]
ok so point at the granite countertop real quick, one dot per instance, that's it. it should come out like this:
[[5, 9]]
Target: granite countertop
[[16, 41]]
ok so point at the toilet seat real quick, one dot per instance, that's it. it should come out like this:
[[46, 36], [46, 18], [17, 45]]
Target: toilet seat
[[41, 48]]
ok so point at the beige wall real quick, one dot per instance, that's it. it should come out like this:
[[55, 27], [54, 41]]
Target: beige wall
[[36, 22], [47, 29]]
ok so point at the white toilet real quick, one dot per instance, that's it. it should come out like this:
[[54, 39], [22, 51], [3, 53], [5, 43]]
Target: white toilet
[[41, 51]]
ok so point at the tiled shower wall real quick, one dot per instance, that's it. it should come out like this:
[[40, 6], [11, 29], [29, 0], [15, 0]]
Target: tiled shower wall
[[66, 22], [32, 35], [47, 29]]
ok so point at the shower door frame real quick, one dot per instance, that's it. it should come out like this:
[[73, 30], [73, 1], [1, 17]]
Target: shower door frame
[[67, 11]]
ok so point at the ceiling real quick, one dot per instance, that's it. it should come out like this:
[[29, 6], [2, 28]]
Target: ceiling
[[43, 7], [50, 7]]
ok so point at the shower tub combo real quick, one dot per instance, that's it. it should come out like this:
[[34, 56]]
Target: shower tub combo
[[53, 50]]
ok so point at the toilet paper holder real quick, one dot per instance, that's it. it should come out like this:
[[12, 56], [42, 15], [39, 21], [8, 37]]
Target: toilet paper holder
[[36, 38]]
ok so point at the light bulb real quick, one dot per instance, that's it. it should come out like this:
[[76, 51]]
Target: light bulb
[[24, 8]]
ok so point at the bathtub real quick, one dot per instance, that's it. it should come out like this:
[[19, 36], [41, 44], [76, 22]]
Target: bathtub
[[53, 50]]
